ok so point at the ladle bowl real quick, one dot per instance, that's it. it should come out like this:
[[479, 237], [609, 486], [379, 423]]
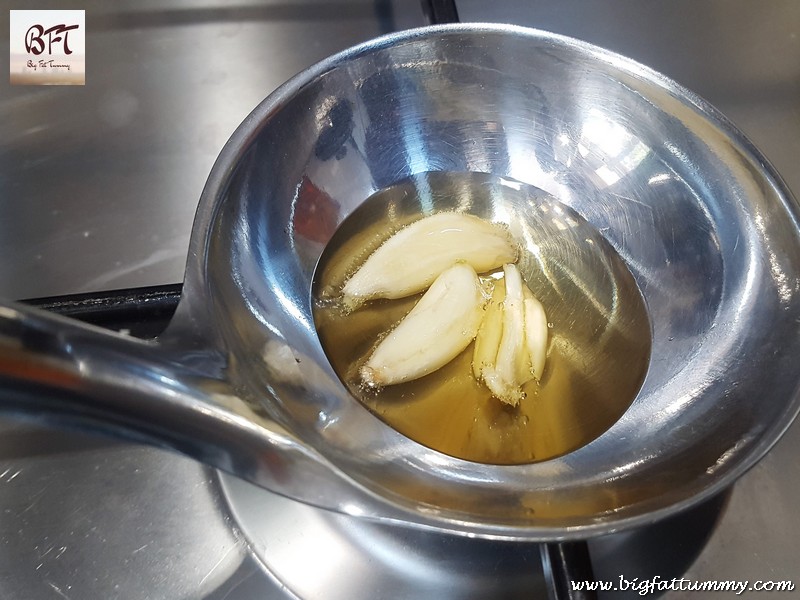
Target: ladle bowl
[[240, 380]]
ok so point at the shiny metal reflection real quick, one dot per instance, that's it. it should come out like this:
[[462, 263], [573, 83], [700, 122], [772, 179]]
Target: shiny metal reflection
[[707, 229]]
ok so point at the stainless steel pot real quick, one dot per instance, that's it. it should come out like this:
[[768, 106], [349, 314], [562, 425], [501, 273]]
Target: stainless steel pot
[[240, 381]]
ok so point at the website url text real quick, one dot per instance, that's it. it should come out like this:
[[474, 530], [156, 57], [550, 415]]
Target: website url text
[[656, 584]]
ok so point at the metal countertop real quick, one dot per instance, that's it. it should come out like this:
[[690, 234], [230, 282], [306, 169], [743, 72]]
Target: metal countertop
[[98, 187]]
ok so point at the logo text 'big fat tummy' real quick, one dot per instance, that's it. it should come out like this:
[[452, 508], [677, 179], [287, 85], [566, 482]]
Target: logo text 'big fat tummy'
[[48, 47]]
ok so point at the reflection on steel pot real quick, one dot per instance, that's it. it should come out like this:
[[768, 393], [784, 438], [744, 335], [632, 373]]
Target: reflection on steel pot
[[240, 380]]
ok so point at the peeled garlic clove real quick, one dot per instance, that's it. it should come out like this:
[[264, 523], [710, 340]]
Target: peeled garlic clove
[[412, 258], [536, 331], [512, 367], [435, 331], [490, 331]]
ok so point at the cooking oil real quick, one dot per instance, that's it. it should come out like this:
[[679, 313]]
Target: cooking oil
[[599, 331]]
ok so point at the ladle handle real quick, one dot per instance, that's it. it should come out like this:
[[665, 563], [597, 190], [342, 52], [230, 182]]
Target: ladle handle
[[55, 369], [51, 366]]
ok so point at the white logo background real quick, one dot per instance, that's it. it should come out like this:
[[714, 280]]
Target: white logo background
[[54, 57]]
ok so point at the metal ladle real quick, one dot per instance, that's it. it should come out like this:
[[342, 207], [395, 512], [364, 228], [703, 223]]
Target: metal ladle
[[240, 381]]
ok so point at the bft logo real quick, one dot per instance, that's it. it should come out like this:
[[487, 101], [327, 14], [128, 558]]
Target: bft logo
[[35, 41], [48, 47]]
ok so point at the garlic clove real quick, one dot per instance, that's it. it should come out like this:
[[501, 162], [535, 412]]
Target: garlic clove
[[487, 341], [536, 332], [512, 367], [410, 260], [439, 327]]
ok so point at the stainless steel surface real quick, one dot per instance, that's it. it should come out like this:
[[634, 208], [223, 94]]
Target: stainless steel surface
[[321, 555], [101, 182], [99, 188], [709, 233], [741, 55], [744, 57], [83, 517]]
